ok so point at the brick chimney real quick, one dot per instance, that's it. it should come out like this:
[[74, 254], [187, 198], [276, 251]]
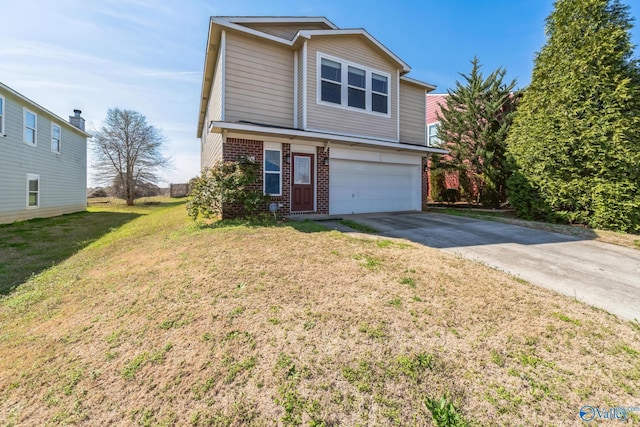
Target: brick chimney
[[77, 120]]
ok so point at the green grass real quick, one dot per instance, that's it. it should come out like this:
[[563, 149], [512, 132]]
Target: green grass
[[160, 321], [363, 228], [29, 247]]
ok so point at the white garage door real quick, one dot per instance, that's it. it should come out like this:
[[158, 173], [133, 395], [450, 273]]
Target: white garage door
[[359, 187]]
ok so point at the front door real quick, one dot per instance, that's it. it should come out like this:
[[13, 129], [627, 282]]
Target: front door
[[302, 182]]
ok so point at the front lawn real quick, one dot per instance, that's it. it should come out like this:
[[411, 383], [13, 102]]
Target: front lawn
[[157, 321]]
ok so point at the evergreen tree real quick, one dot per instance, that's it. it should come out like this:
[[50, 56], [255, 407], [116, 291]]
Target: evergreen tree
[[473, 125], [574, 141]]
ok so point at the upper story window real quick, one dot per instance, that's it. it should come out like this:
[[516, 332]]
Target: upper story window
[[432, 135], [353, 86], [380, 93], [331, 78], [1, 115], [55, 138], [30, 126], [272, 171]]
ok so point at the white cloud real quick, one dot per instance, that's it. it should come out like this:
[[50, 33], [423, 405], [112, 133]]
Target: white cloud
[[140, 55]]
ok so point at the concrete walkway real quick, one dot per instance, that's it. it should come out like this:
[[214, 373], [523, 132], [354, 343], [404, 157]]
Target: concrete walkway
[[599, 274]]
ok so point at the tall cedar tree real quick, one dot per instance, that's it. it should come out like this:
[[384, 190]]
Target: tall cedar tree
[[473, 125], [127, 152], [575, 142]]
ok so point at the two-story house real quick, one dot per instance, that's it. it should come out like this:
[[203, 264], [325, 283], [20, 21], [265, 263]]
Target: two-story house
[[43, 160], [328, 113]]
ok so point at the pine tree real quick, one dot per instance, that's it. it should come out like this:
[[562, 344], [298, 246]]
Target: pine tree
[[574, 141], [474, 123]]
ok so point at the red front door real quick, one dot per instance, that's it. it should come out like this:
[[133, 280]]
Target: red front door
[[302, 182]]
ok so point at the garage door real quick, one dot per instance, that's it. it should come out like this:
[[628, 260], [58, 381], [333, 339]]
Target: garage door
[[359, 187]]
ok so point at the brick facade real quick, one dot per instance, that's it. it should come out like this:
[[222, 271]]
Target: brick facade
[[322, 186], [234, 148], [424, 172]]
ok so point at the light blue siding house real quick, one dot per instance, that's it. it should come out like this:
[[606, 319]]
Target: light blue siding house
[[43, 160]]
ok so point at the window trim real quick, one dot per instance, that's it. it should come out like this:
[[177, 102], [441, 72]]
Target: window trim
[[2, 114], [53, 125], [344, 85], [24, 127], [33, 177], [271, 147]]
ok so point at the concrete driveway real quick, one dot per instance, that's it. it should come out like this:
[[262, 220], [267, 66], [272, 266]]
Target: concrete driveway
[[600, 274]]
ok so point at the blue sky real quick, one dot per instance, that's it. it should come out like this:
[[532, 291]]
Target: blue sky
[[148, 55]]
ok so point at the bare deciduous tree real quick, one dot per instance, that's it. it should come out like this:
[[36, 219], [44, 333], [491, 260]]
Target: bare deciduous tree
[[127, 150]]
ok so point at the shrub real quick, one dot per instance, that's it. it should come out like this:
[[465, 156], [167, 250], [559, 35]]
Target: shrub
[[223, 184], [438, 183], [450, 195], [444, 413], [97, 192]]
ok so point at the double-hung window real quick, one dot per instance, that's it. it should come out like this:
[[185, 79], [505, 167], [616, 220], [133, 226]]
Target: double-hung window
[[33, 190], [379, 93], [56, 133], [331, 81], [1, 115], [357, 88], [432, 134], [353, 86], [30, 126], [272, 171]]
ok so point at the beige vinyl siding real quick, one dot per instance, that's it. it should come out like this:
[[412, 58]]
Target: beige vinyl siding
[[335, 119], [285, 31], [212, 143], [300, 88], [258, 81], [63, 176], [211, 150], [412, 114]]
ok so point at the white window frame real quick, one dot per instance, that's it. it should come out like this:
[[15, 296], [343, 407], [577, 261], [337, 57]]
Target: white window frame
[[433, 137], [3, 107], [271, 147], [53, 138], [33, 177], [344, 85], [24, 127]]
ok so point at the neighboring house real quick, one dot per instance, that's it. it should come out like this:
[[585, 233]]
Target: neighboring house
[[329, 114], [43, 160], [435, 102]]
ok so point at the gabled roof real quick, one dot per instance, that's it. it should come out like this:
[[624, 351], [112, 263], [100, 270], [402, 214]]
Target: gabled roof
[[35, 105], [218, 23], [427, 86], [276, 20], [307, 34]]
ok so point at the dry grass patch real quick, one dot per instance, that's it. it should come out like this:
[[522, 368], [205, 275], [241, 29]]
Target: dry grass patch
[[162, 322]]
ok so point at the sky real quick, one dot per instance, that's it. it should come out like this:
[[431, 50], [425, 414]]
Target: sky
[[148, 55]]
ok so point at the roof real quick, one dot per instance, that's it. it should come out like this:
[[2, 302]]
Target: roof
[[427, 86], [261, 129], [218, 23], [41, 108], [275, 20]]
